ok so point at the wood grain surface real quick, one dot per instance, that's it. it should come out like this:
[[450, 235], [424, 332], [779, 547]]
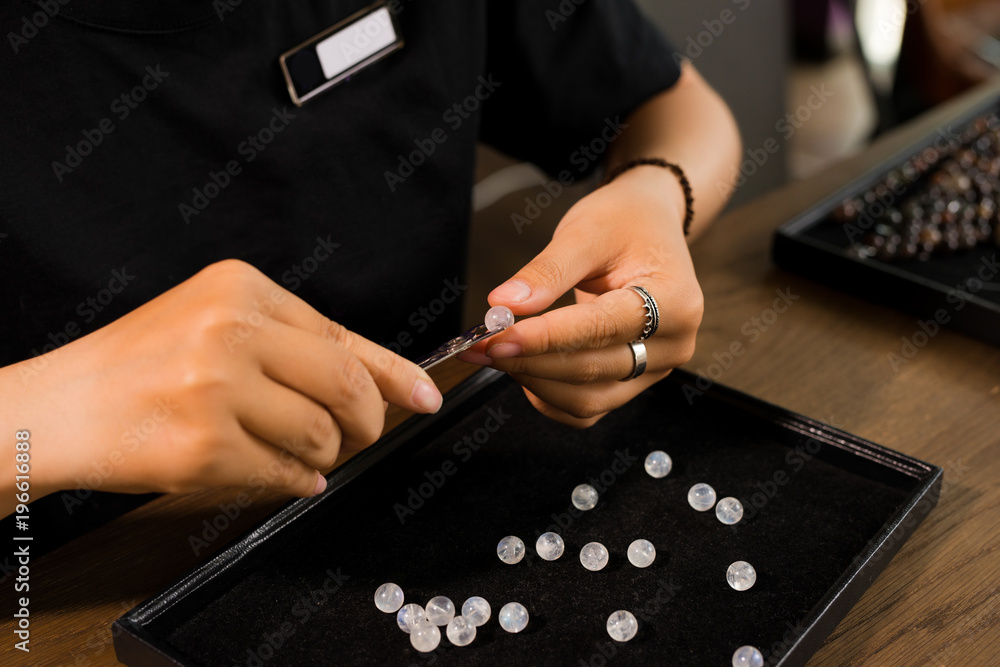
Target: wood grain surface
[[826, 356]]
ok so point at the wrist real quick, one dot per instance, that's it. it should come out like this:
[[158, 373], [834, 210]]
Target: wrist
[[657, 186], [659, 168]]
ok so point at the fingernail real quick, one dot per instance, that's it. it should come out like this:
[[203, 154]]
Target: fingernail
[[320, 484], [504, 351], [426, 396], [477, 358], [512, 291]]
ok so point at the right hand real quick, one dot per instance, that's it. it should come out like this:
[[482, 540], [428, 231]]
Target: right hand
[[225, 380]]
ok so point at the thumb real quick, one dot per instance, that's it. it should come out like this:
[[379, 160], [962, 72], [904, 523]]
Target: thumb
[[565, 262]]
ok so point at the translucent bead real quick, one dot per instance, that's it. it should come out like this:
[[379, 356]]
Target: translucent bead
[[513, 617], [498, 318], [511, 549], [584, 497], [594, 556], [425, 637], [477, 610], [549, 546], [748, 656], [409, 616], [641, 553], [461, 631], [658, 464], [440, 610], [729, 511], [741, 575], [389, 598], [701, 497], [622, 625]]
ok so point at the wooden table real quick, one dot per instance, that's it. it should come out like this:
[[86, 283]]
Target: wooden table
[[938, 601]]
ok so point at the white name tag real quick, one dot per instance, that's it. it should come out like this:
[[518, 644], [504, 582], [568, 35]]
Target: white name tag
[[337, 53], [356, 43]]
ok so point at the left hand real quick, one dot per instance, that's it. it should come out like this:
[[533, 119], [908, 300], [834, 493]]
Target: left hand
[[570, 360]]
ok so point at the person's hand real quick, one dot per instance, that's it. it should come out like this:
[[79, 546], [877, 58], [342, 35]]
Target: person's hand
[[570, 359], [225, 380]]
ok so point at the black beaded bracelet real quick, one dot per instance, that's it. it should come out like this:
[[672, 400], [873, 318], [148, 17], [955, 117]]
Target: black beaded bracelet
[[657, 162]]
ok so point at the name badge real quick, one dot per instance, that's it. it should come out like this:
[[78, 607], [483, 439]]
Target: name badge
[[337, 53]]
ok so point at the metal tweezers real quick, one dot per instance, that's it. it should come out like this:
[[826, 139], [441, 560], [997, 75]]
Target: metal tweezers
[[456, 345]]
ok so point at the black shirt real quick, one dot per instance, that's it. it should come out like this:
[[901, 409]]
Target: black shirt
[[145, 140]]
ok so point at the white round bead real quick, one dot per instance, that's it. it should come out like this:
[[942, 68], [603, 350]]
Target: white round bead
[[741, 575], [498, 318], [594, 556], [409, 616], [461, 631], [658, 464], [701, 497], [549, 546], [511, 549], [440, 610], [425, 637], [584, 497], [477, 610], [641, 553], [389, 598], [748, 656], [513, 617], [729, 511], [622, 625]]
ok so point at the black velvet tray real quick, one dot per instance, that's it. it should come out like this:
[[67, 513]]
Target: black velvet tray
[[961, 290], [426, 506]]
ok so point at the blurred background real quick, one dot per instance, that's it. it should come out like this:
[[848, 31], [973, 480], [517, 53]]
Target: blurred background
[[822, 78]]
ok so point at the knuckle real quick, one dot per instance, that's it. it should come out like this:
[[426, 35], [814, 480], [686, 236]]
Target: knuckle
[[386, 364], [355, 380], [370, 430], [587, 372], [337, 333], [322, 429], [231, 273], [587, 407], [607, 329], [549, 270], [685, 351]]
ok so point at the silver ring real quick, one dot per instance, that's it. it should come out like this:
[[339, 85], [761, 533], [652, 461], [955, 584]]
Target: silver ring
[[652, 312], [638, 349]]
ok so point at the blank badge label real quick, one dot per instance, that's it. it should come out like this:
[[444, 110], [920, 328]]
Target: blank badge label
[[356, 43]]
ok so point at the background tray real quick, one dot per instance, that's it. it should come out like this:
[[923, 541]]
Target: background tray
[[810, 245], [425, 507]]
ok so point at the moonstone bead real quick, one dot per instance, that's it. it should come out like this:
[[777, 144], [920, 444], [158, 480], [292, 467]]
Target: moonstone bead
[[513, 617], [549, 546], [729, 511], [594, 556], [511, 549], [584, 497], [741, 575], [622, 625], [461, 631], [389, 598], [701, 497], [409, 616], [498, 318], [748, 656], [425, 637], [477, 610], [440, 610], [658, 464], [641, 553]]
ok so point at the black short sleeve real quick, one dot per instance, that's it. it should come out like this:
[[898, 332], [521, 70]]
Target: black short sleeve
[[568, 71]]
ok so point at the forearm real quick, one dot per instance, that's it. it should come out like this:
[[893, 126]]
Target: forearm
[[691, 126], [23, 466]]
